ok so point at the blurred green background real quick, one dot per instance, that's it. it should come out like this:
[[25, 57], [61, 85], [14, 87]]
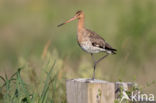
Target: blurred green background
[[29, 32]]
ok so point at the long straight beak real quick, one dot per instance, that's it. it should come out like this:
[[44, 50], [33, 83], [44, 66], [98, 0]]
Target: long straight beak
[[73, 18]]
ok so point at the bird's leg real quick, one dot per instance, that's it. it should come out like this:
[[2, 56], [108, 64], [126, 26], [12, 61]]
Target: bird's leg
[[95, 62], [101, 58], [93, 66]]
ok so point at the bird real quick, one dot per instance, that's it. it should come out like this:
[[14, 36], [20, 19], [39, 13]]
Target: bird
[[90, 41]]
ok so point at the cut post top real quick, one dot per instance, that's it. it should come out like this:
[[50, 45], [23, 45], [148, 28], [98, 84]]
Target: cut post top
[[85, 80]]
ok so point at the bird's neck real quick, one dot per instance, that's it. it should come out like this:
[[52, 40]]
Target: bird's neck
[[80, 24], [80, 28]]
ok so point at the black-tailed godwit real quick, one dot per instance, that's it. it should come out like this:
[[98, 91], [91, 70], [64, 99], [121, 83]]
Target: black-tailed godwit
[[90, 41]]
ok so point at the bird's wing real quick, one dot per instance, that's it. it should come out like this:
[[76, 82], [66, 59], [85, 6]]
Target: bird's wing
[[95, 39], [98, 41]]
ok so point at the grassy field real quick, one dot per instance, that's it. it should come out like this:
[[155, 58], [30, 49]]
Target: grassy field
[[31, 43]]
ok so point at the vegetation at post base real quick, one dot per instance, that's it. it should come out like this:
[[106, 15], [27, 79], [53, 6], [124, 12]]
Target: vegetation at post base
[[30, 42], [133, 89]]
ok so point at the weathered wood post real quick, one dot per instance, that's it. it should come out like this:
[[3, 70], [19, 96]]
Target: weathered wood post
[[93, 91]]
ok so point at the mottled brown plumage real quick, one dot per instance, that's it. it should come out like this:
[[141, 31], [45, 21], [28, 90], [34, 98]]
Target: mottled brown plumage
[[90, 41], [98, 41]]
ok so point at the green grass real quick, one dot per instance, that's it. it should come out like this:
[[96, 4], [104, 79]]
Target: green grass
[[16, 90], [20, 93]]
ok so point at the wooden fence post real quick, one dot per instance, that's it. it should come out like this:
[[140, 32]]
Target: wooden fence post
[[93, 91]]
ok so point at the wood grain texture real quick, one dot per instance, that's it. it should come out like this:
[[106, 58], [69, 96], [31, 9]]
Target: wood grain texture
[[89, 91], [95, 91]]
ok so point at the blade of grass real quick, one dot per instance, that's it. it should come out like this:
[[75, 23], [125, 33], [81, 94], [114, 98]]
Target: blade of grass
[[7, 96], [47, 83], [2, 78], [22, 85]]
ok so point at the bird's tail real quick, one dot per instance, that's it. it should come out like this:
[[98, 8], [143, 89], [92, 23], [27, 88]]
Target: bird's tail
[[110, 49], [113, 50]]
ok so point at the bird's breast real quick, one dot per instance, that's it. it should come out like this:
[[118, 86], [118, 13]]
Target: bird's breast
[[85, 43]]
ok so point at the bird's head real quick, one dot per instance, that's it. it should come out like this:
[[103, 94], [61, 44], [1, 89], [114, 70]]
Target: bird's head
[[78, 15]]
